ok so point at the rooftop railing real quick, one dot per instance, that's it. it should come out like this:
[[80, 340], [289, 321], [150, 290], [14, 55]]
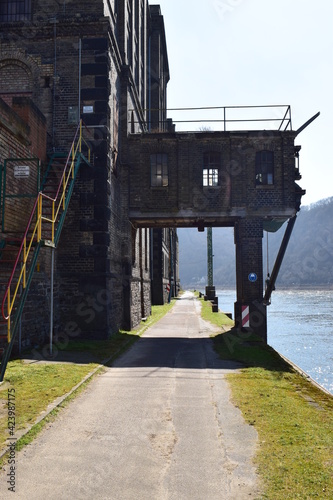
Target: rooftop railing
[[225, 118]]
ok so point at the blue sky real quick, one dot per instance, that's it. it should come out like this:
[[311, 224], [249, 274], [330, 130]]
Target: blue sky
[[258, 52]]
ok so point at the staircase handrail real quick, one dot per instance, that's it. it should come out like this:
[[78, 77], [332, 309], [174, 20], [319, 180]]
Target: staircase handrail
[[25, 246], [64, 180]]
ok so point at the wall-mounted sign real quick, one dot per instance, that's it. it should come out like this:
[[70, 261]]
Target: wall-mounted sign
[[73, 115], [88, 109], [253, 277], [21, 171]]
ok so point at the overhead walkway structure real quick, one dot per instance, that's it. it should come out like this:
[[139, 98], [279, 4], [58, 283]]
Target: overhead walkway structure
[[243, 178]]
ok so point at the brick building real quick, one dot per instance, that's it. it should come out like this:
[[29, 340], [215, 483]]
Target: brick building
[[243, 179], [104, 61]]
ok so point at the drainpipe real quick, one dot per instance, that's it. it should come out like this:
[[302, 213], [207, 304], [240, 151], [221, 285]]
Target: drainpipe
[[149, 84], [52, 300], [54, 81], [80, 60]]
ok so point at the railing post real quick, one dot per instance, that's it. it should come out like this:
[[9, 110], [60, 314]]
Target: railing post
[[51, 300], [63, 192], [73, 160], [9, 310], [80, 139], [53, 221], [39, 218], [24, 261]]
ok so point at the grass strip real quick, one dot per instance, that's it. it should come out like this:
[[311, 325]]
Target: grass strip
[[293, 418], [36, 385]]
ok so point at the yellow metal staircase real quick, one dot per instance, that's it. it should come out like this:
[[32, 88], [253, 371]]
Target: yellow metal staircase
[[18, 256]]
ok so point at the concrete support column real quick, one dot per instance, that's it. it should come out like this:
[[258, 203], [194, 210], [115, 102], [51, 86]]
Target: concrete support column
[[249, 276]]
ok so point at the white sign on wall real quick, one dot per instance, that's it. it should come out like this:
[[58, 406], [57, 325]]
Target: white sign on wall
[[21, 171]]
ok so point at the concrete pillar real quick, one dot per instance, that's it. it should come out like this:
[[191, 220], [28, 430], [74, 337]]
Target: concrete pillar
[[249, 275]]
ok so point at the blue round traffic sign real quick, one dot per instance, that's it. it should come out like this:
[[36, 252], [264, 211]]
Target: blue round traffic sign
[[253, 277]]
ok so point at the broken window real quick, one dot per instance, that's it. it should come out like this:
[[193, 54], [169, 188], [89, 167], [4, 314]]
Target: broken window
[[159, 170], [264, 168], [15, 10], [212, 163]]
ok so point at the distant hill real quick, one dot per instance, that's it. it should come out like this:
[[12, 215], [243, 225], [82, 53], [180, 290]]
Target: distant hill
[[308, 260]]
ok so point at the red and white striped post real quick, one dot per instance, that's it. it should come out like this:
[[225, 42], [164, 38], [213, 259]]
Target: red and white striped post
[[245, 317], [168, 288]]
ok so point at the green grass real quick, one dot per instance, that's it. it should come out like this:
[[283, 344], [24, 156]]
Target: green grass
[[36, 386], [293, 418], [294, 422], [35, 429], [218, 319]]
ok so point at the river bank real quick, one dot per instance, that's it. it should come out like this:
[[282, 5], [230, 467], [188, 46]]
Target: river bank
[[300, 327]]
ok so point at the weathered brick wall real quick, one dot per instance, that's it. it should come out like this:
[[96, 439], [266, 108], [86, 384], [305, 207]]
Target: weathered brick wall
[[159, 72], [31, 115], [96, 282], [77, 9], [36, 314], [248, 240], [23, 135], [237, 193], [14, 134], [165, 265]]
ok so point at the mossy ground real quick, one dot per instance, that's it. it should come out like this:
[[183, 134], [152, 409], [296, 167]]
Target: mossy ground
[[293, 418]]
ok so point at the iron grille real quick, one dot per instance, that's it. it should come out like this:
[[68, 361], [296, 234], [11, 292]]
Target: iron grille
[[15, 10]]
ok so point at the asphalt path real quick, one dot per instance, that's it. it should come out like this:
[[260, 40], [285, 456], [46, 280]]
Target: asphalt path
[[158, 424]]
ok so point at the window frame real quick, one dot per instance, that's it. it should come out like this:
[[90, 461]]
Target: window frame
[[264, 168], [15, 11], [211, 169], [159, 170]]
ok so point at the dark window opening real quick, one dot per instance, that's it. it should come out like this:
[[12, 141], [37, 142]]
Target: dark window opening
[[211, 166], [264, 168], [47, 82], [15, 10], [132, 123], [159, 170]]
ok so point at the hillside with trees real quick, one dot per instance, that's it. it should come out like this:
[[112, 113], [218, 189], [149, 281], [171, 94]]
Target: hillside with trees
[[308, 260]]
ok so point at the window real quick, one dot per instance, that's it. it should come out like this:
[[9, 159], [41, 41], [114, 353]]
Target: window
[[264, 168], [212, 163], [15, 10], [129, 34], [159, 170]]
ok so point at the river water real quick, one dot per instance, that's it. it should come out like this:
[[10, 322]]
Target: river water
[[300, 326]]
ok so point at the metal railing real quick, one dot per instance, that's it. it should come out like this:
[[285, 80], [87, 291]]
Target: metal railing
[[34, 230], [278, 116], [58, 201]]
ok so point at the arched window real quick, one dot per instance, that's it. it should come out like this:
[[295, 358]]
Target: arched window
[[264, 168], [15, 10], [211, 166]]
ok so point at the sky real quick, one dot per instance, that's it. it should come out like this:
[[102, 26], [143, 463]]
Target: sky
[[257, 52]]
